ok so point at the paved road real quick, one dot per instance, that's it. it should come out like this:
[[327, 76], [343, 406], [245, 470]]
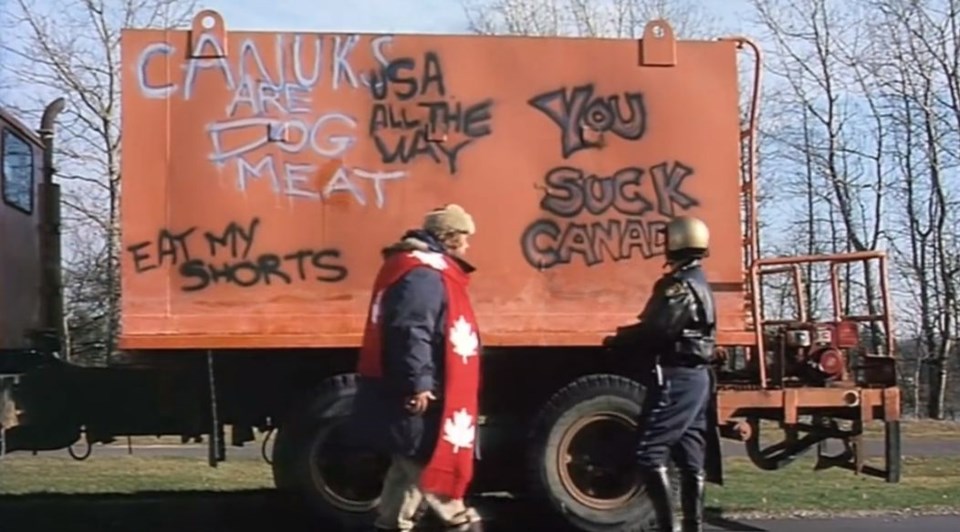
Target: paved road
[[260, 511]]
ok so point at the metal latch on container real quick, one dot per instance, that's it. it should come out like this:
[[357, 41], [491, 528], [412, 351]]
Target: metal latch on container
[[658, 47], [207, 33]]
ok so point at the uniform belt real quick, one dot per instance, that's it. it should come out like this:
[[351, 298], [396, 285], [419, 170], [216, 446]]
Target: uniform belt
[[695, 333], [684, 363]]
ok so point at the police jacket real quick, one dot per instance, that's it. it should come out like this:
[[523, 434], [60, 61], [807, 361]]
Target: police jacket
[[679, 321]]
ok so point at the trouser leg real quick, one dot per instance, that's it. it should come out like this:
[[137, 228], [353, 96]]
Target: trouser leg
[[673, 424], [656, 435], [400, 497], [689, 455]]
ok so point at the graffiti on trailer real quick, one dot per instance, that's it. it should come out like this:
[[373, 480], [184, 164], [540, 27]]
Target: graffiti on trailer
[[214, 257], [626, 216], [579, 108], [415, 128], [271, 131], [601, 216]]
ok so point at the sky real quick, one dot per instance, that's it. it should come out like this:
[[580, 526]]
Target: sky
[[389, 16], [375, 16]]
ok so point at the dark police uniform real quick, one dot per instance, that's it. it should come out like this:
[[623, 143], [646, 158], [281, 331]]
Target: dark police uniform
[[678, 327]]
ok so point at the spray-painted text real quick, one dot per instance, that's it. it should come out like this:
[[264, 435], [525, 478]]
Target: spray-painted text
[[272, 133], [226, 257], [412, 118], [577, 109], [632, 203]]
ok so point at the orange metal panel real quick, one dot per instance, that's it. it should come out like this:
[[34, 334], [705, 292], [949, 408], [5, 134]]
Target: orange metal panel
[[730, 402], [260, 186]]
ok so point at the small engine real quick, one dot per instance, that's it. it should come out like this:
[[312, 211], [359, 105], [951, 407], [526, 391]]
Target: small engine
[[816, 352]]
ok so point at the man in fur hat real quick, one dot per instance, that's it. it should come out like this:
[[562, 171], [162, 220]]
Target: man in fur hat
[[419, 369]]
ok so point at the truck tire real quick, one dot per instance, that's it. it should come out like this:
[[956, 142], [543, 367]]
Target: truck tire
[[338, 484], [604, 494]]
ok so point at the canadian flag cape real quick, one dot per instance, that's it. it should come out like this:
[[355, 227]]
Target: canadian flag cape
[[450, 468]]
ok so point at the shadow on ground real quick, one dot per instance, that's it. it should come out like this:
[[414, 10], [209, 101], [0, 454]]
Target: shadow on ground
[[259, 510]]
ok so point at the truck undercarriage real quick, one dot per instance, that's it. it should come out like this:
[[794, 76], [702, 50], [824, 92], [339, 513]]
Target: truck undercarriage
[[574, 424]]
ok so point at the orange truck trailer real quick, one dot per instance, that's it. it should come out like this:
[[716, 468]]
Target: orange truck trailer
[[262, 174]]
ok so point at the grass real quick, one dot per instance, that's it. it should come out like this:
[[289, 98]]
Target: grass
[[919, 429], [24, 474], [910, 429], [928, 483]]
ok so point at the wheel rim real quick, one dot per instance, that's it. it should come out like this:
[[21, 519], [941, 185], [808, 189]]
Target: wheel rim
[[591, 461], [347, 478]]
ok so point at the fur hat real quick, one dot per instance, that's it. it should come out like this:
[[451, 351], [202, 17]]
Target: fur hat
[[450, 217]]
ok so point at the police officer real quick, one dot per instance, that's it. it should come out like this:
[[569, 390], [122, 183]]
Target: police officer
[[677, 329]]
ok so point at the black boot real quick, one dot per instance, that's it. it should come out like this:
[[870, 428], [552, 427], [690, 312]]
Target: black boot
[[657, 482], [691, 501]]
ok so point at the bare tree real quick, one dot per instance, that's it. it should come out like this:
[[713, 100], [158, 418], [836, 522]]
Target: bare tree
[[920, 65], [870, 155], [588, 18], [832, 165], [72, 49]]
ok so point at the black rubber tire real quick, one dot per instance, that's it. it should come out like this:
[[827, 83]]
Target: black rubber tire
[[295, 456], [587, 396]]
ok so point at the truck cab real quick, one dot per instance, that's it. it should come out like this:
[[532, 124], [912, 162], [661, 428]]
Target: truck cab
[[31, 324], [21, 170]]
